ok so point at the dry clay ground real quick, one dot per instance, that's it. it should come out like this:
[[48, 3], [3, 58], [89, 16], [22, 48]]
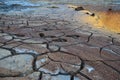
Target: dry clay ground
[[40, 48]]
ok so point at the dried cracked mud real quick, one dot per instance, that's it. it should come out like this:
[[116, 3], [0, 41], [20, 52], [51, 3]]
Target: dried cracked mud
[[40, 48]]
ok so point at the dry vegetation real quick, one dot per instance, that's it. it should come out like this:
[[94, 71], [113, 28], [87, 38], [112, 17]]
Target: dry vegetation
[[111, 20]]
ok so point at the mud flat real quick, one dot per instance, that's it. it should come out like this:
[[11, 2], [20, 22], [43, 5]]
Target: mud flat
[[57, 45]]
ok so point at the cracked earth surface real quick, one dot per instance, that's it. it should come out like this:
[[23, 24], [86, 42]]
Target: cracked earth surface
[[40, 48]]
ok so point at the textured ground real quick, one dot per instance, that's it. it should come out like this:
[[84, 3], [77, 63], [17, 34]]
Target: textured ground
[[41, 48]]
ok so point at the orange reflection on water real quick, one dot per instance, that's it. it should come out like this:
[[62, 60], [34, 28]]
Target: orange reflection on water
[[111, 20]]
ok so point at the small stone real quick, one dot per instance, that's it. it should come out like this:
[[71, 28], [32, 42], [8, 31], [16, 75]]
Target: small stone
[[110, 9], [53, 47], [79, 8], [93, 14], [89, 68], [41, 34]]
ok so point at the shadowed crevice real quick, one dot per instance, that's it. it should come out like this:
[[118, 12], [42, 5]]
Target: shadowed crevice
[[88, 78], [111, 67], [89, 37]]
